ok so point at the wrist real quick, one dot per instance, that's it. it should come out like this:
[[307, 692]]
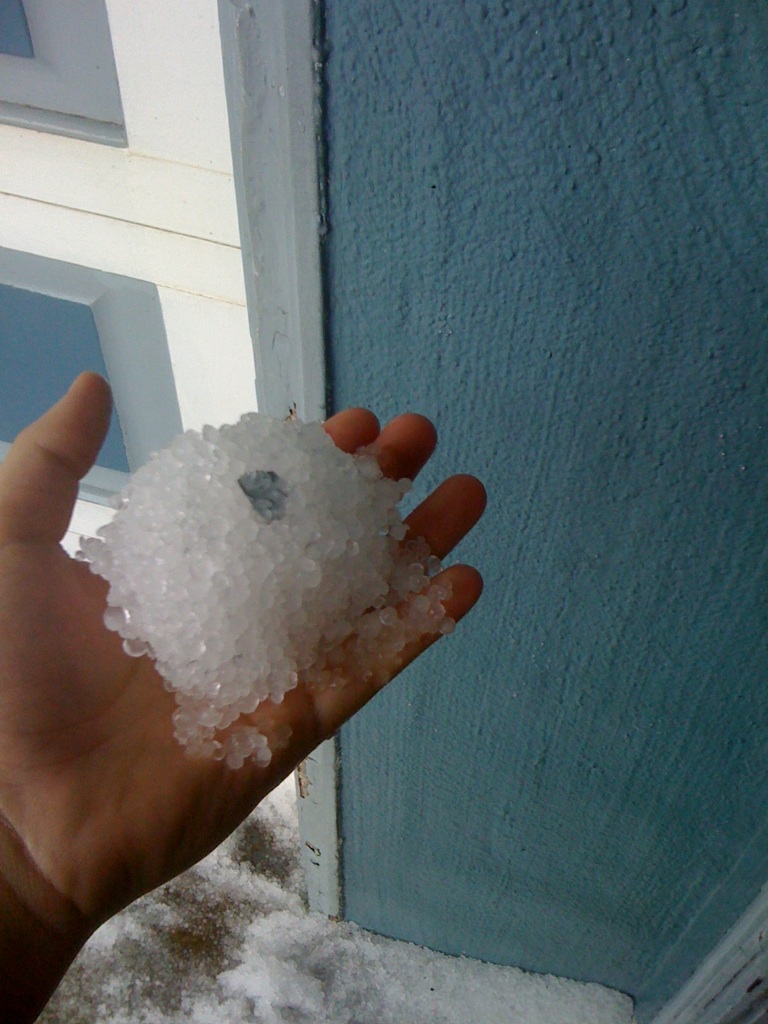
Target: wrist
[[41, 932]]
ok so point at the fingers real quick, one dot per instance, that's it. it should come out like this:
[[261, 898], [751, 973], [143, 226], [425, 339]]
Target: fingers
[[443, 519], [466, 587], [332, 707], [352, 429], [448, 514], [40, 474], [405, 445], [402, 447]]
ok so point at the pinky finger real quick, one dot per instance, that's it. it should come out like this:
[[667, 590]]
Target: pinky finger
[[466, 585], [332, 707]]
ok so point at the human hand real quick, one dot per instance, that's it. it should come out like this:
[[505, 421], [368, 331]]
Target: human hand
[[99, 801]]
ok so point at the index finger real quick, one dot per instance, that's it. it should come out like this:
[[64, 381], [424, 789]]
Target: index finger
[[40, 474], [402, 447]]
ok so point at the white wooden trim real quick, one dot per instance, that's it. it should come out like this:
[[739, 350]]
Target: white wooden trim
[[86, 520], [53, 122], [316, 788], [718, 991], [119, 184], [271, 84], [212, 358], [70, 82], [270, 70], [118, 247], [168, 58], [88, 517]]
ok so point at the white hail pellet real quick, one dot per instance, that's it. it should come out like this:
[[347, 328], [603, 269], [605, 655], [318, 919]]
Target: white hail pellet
[[246, 558]]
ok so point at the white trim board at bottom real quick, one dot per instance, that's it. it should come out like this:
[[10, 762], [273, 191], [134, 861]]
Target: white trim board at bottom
[[316, 782], [731, 985]]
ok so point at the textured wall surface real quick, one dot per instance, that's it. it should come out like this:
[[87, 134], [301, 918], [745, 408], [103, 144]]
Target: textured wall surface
[[547, 232]]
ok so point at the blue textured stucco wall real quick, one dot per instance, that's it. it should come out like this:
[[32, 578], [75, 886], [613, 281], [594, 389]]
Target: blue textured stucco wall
[[548, 232]]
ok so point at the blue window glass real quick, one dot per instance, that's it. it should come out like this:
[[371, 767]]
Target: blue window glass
[[14, 31], [44, 343]]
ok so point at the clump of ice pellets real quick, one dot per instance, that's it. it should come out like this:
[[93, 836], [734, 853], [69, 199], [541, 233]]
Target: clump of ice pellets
[[248, 557]]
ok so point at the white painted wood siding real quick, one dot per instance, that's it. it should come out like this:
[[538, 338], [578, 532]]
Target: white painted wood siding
[[163, 210]]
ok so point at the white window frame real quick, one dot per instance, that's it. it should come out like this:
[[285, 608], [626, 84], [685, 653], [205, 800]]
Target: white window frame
[[69, 84]]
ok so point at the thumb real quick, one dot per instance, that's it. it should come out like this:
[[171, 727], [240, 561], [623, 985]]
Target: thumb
[[40, 474]]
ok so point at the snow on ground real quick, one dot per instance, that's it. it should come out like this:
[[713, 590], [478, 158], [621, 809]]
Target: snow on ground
[[231, 942]]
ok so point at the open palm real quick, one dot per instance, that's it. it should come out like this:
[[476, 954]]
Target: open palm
[[100, 802]]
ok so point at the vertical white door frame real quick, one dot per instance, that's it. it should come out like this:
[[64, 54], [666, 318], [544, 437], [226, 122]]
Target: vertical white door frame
[[271, 65], [731, 985]]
